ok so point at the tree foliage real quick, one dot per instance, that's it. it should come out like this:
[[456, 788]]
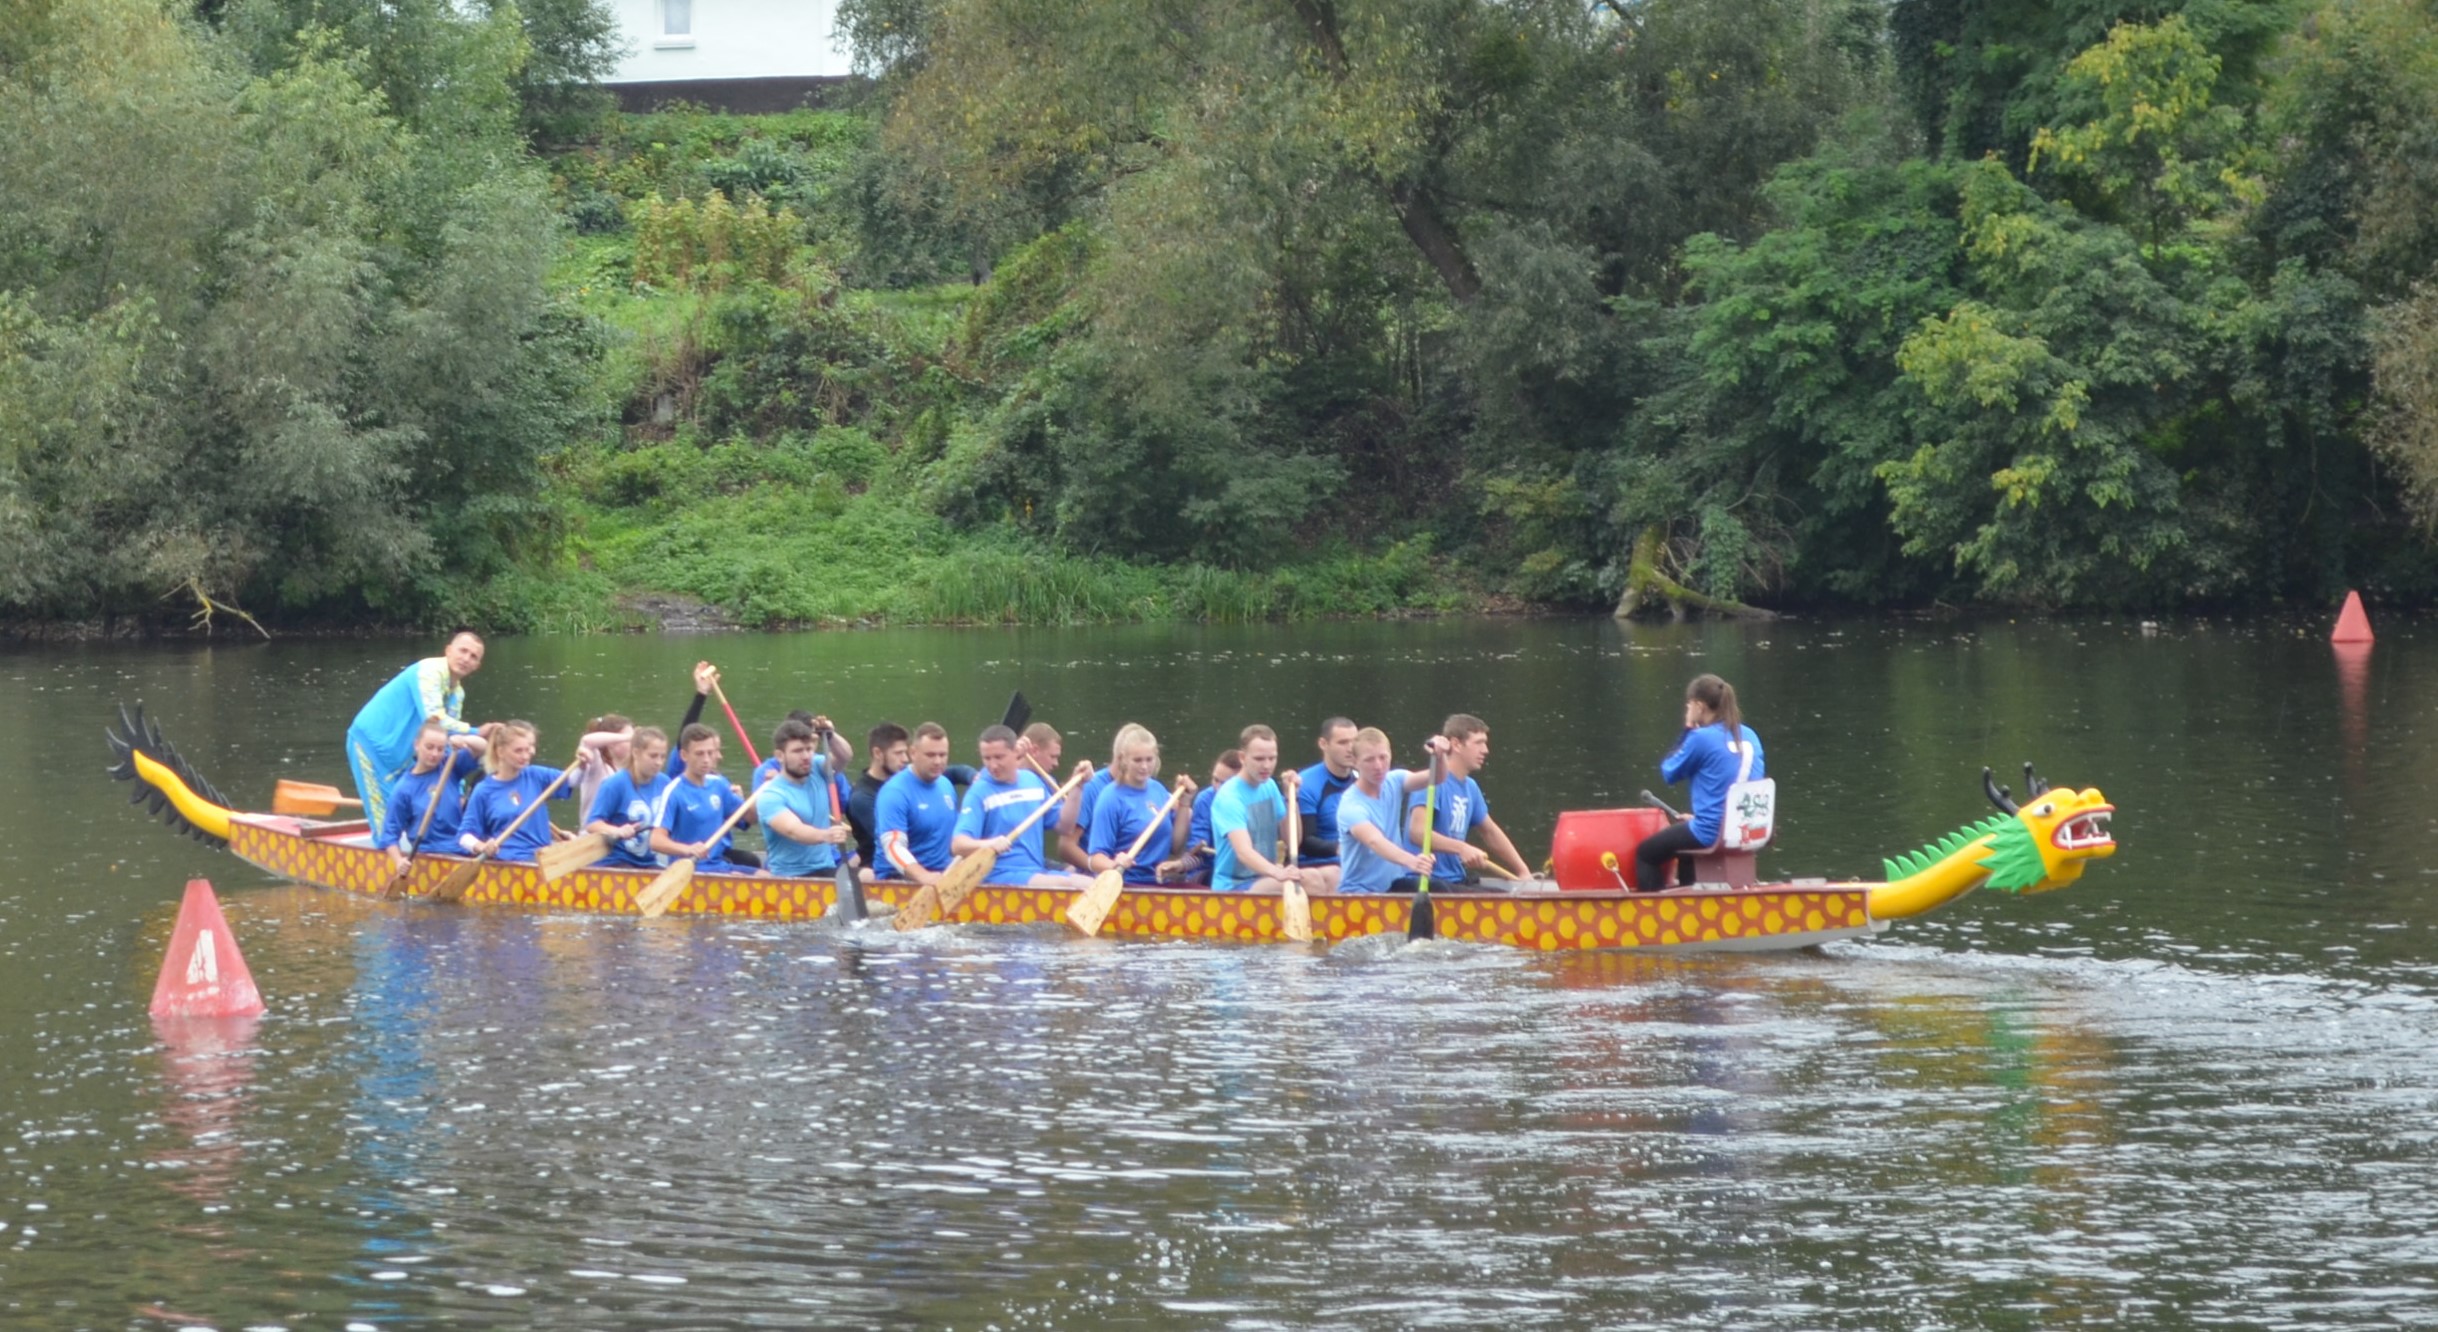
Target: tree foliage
[[261, 336]]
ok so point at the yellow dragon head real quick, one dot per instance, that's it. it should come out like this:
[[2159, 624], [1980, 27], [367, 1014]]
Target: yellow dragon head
[[2055, 832]]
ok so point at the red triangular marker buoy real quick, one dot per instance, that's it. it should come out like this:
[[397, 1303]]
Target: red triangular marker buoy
[[2352, 623], [204, 975]]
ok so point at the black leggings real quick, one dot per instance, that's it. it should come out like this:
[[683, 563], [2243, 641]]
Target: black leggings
[[1652, 856]]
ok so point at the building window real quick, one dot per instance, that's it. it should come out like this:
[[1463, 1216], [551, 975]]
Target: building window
[[676, 23]]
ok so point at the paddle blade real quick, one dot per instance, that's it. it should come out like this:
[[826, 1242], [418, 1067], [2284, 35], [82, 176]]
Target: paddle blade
[[1092, 904], [965, 876], [848, 904], [560, 859], [309, 800], [1019, 711], [1294, 913], [664, 888], [921, 909], [461, 878], [397, 881], [1423, 922]]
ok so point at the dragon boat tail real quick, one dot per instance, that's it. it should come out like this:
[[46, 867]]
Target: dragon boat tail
[[2042, 844]]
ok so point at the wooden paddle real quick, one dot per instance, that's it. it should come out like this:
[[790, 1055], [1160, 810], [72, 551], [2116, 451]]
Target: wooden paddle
[[454, 887], [958, 883], [310, 800], [848, 901], [1423, 921], [741, 737], [397, 881], [560, 859], [1092, 904], [1294, 908], [663, 891]]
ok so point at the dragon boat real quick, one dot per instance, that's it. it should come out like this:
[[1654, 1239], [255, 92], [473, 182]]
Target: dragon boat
[[2039, 845]]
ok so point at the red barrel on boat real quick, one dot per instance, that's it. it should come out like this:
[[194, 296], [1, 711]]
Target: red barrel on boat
[[1584, 834]]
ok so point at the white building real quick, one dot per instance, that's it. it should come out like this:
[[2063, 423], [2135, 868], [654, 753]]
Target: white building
[[739, 55]]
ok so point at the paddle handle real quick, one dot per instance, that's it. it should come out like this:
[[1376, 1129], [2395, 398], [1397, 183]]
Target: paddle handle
[[835, 815], [519, 820], [440, 778], [1295, 827], [1057, 798], [1153, 826], [741, 737], [739, 811]]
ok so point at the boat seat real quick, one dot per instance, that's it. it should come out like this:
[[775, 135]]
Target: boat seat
[[1717, 867]]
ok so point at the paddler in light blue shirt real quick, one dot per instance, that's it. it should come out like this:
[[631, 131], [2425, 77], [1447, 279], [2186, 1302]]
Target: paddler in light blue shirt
[[381, 740], [1373, 852]]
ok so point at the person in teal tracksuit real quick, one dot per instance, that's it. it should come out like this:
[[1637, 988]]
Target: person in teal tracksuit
[[381, 739]]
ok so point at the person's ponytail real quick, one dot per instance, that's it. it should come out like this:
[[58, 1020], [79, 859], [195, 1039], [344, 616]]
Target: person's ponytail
[[1719, 696]]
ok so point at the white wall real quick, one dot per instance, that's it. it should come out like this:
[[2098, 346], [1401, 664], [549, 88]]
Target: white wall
[[732, 39]]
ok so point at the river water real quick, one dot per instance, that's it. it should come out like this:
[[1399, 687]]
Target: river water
[[2195, 1090]]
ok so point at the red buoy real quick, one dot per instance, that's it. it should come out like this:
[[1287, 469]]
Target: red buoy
[[204, 976], [2352, 623]]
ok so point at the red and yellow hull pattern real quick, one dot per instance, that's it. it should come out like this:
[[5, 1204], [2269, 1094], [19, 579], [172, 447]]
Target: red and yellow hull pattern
[[1767, 916]]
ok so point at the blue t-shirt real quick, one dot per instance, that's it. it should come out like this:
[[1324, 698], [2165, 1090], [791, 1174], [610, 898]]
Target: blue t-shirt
[[1363, 870], [1255, 812], [1087, 797], [1198, 832], [922, 815], [808, 800], [620, 800], [411, 794], [1462, 807], [1119, 818], [993, 809], [1703, 757], [1317, 793], [690, 812], [496, 804]]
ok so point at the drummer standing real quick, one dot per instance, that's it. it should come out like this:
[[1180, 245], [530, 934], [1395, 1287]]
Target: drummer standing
[[381, 740]]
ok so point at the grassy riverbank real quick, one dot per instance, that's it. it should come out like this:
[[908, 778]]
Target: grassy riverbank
[[781, 446]]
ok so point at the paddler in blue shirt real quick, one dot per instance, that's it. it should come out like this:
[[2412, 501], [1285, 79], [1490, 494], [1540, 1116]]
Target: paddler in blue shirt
[[443, 762], [381, 740], [915, 816], [1463, 834], [1126, 808], [516, 781], [1319, 788], [1717, 751], [1246, 817], [693, 807], [832, 760], [1374, 854], [1003, 796], [1193, 863], [623, 808], [801, 839], [1062, 833]]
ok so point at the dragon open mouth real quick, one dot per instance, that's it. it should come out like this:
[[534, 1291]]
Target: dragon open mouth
[[2084, 830]]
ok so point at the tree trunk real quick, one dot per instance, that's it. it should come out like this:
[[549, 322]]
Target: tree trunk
[[1647, 587], [1416, 211]]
